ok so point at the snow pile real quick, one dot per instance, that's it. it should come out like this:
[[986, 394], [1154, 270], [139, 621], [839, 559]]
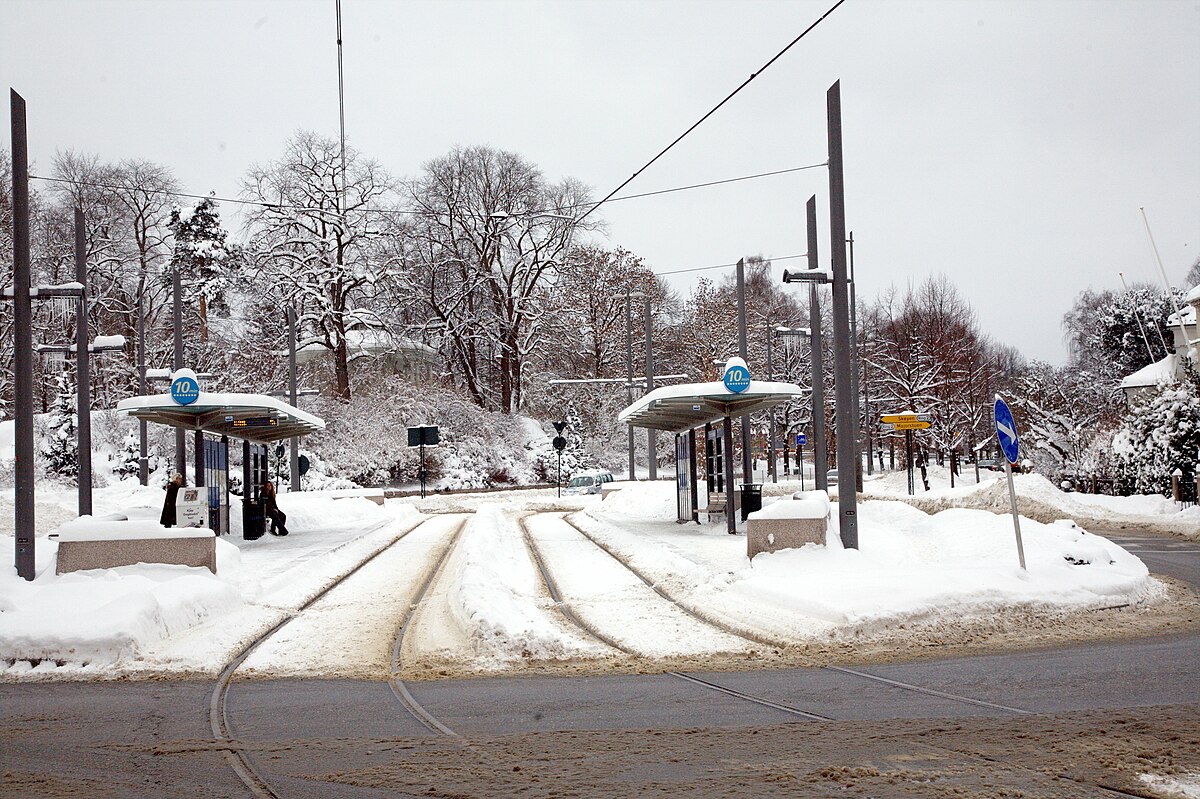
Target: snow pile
[[802, 505], [1039, 499], [910, 568], [497, 596], [647, 499], [106, 616]]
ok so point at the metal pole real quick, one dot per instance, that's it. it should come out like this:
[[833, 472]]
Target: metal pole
[[83, 377], [868, 420], [558, 481], [341, 100], [143, 460], [629, 377], [743, 351], [730, 511], [771, 412], [651, 434], [847, 446], [177, 363], [820, 448], [295, 440], [24, 521], [858, 428], [421, 473]]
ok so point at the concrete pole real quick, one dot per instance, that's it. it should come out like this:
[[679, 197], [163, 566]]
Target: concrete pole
[[820, 449], [83, 376], [847, 446], [651, 434], [177, 363], [24, 521], [743, 351], [771, 412], [629, 375], [295, 440]]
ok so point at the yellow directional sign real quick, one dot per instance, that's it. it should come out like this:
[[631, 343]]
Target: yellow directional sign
[[906, 421]]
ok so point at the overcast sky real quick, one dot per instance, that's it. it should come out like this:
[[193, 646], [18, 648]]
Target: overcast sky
[[1007, 144]]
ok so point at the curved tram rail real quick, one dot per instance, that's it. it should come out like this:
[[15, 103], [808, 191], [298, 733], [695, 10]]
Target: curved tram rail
[[235, 753]]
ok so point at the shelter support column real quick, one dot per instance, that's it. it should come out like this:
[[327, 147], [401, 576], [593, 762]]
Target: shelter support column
[[692, 473], [730, 490], [199, 457]]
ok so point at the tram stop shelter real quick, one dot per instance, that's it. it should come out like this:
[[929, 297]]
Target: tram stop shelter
[[256, 420], [681, 409]]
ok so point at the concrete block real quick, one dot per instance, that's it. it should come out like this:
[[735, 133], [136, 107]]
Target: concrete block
[[189, 551]]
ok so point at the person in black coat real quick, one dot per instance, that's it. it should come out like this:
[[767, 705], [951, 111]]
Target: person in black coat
[[168, 514], [271, 510]]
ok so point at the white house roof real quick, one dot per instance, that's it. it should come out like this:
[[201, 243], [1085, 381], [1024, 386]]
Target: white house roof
[[361, 343], [1153, 374], [253, 417], [688, 405]]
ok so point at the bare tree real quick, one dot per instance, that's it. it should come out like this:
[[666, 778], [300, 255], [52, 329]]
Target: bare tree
[[489, 237], [317, 241]]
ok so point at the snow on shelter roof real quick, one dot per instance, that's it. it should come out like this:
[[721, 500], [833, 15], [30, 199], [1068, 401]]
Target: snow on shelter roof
[[253, 417], [688, 405]]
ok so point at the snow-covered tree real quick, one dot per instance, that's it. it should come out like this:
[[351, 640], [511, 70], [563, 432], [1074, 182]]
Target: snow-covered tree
[[206, 260], [1118, 332], [129, 457], [61, 444], [1062, 409], [1160, 434]]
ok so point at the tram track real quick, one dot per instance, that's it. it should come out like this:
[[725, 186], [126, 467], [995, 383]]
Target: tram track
[[1106, 790], [256, 783], [222, 730]]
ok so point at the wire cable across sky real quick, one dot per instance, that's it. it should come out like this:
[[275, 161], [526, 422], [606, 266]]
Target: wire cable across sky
[[713, 110]]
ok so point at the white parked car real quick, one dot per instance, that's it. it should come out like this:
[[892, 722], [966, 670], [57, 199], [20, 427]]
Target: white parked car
[[588, 482]]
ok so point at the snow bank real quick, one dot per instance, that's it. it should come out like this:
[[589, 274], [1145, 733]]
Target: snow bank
[[1039, 499], [107, 616], [910, 568], [802, 505], [497, 596]]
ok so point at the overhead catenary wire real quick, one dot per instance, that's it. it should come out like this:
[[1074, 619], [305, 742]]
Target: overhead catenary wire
[[713, 110], [407, 212]]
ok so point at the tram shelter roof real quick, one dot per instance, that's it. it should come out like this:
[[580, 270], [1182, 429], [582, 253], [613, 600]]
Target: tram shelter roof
[[253, 417], [676, 409]]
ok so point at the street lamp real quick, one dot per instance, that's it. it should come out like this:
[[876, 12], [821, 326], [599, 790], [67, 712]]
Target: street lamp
[[629, 297]]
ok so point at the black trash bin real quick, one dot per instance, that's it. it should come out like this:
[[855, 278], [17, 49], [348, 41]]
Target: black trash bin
[[751, 499]]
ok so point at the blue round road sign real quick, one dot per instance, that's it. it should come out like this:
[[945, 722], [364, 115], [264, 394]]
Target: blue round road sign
[[737, 378], [185, 390], [1006, 431]]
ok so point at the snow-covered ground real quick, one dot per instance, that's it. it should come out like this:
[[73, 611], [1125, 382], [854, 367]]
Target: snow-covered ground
[[643, 585]]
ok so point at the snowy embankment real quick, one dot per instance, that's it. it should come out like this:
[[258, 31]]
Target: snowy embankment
[[910, 568], [154, 618], [1038, 499]]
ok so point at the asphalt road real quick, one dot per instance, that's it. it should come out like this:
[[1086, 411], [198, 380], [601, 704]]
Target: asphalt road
[[1058, 723]]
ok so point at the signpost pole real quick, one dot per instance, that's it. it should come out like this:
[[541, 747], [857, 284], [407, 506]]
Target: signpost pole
[[1006, 434], [908, 459], [800, 451], [294, 443], [558, 480], [421, 472], [1012, 500]]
